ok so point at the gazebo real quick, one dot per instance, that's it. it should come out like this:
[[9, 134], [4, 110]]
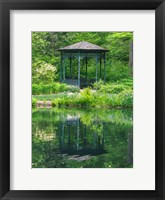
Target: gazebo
[[82, 51]]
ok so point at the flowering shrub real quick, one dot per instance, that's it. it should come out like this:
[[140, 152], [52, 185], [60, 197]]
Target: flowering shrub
[[44, 73]]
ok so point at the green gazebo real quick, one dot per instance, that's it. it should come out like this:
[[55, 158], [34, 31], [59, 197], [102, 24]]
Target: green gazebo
[[82, 51]]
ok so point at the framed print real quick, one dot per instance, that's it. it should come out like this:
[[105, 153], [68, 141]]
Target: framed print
[[82, 98]]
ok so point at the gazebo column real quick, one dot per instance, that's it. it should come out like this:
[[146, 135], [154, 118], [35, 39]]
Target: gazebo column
[[79, 57], [96, 66], [104, 67], [61, 66], [100, 66], [86, 67]]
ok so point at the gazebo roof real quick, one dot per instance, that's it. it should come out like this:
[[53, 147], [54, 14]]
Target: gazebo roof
[[83, 46]]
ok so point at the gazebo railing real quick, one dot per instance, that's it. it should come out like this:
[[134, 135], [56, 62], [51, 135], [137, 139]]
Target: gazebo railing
[[73, 82], [83, 82]]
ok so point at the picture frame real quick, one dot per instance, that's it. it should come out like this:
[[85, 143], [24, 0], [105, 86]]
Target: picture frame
[[5, 7]]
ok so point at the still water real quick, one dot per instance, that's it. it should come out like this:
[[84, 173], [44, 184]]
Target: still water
[[82, 138]]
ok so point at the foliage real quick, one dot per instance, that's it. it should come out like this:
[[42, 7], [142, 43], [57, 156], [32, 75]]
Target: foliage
[[97, 85], [53, 88], [108, 95], [44, 52], [118, 71], [34, 102], [96, 99], [126, 98], [43, 72], [126, 82], [119, 45]]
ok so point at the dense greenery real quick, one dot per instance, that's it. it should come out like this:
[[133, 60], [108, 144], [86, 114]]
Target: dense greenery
[[53, 88], [100, 95], [82, 130], [116, 92], [87, 98], [46, 58], [108, 138]]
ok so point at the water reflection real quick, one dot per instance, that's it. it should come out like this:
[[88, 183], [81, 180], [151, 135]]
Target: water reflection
[[77, 138], [82, 138]]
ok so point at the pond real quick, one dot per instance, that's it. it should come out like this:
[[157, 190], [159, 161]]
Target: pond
[[82, 138]]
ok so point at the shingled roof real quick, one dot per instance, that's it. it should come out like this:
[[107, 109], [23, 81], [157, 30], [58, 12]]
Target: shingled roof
[[82, 46]]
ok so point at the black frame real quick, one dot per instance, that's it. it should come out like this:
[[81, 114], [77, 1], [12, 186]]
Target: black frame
[[5, 7]]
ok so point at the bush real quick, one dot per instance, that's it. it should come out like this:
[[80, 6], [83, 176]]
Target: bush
[[46, 89], [126, 98], [126, 82], [63, 87], [43, 72], [118, 71], [34, 102], [73, 89], [113, 88], [97, 85], [53, 88], [36, 89]]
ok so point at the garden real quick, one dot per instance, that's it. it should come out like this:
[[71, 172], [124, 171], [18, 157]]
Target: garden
[[82, 99], [116, 91]]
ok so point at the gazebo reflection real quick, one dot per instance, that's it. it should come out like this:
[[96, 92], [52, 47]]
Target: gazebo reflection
[[77, 138]]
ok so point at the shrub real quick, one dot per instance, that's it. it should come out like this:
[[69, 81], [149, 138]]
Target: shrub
[[73, 89], [126, 98], [126, 82], [36, 89], [46, 89], [112, 88], [34, 102], [63, 87], [97, 85], [55, 87], [43, 72], [118, 71]]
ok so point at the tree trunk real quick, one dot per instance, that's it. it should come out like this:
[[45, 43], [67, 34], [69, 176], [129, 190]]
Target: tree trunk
[[131, 57]]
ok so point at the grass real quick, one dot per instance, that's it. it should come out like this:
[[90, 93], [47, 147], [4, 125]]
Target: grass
[[49, 97]]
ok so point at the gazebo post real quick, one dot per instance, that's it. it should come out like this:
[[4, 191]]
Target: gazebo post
[[96, 65], [79, 69], [63, 63], [100, 65], [70, 65], [61, 67], [104, 67], [86, 67]]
